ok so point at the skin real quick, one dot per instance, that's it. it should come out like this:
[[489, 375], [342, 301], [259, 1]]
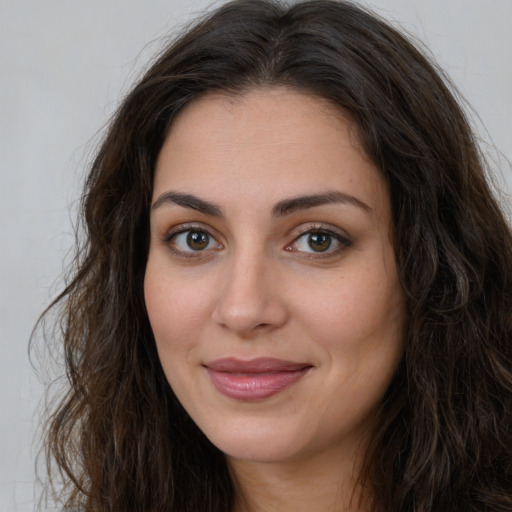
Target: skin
[[260, 289]]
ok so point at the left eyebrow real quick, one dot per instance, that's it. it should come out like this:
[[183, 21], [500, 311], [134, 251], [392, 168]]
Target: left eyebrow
[[188, 201], [288, 206]]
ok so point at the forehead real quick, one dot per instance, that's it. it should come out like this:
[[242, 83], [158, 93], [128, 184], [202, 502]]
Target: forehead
[[272, 141], [260, 111]]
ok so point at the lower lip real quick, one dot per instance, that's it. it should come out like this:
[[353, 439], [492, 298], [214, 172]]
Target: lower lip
[[254, 386]]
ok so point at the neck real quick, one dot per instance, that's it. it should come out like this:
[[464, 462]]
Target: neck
[[322, 484]]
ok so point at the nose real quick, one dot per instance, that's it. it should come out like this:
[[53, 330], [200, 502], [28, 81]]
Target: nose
[[250, 299]]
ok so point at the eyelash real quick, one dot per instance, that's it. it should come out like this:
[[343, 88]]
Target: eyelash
[[303, 231], [188, 228], [322, 229]]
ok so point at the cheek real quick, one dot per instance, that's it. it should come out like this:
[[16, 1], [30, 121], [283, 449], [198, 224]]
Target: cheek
[[175, 309], [361, 332], [358, 320], [354, 307]]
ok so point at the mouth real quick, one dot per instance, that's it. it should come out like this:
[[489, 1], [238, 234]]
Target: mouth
[[256, 379]]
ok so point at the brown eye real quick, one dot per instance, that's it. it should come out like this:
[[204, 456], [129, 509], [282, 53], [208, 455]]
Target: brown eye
[[319, 242], [191, 240], [198, 240]]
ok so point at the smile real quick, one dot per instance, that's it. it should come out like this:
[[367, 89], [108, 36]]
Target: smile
[[256, 379]]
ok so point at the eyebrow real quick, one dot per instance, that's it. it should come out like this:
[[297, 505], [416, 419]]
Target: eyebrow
[[288, 206], [188, 201], [281, 209]]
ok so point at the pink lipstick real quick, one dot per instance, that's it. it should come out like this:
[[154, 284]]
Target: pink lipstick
[[256, 379]]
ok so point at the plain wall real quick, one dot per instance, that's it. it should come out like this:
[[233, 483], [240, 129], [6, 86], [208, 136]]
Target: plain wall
[[64, 66]]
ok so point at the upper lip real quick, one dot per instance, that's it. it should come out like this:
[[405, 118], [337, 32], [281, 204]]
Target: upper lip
[[259, 365]]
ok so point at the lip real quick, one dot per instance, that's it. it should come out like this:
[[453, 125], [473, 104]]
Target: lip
[[255, 379]]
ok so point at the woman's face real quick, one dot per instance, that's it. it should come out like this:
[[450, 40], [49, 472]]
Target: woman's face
[[271, 283]]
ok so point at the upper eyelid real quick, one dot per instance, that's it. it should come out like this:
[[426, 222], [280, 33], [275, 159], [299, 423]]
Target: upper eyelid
[[344, 239], [304, 229], [188, 226], [300, 230]]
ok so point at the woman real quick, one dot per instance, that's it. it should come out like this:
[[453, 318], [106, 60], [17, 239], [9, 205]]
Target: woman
[[294, 292]]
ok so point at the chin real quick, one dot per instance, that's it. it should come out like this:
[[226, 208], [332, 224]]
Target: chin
[[258, 442], [259, 451]]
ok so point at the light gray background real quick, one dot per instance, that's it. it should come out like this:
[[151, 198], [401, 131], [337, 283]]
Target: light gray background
[[63, 67]]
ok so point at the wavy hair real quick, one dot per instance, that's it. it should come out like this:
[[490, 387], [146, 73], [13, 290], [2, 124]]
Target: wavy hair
[[120, 440]]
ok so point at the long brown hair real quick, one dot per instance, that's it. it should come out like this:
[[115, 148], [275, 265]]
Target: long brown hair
[[119, 438]]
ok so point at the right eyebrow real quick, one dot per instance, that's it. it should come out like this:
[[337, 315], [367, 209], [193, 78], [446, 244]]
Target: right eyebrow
[[288, 206], [188, 201]]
